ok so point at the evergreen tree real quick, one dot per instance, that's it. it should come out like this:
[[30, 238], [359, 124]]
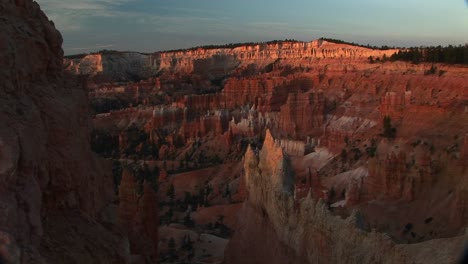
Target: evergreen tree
[[171, 192], [389, 131], [171, 250]]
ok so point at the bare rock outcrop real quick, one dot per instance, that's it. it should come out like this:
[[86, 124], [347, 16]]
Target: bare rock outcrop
[[89, 64], [214, 62], [118, 66], [146, 223], [260, 54], [128, 203], [53, 189], [389, 178], [272, 229], [138, 217], [302, 113]]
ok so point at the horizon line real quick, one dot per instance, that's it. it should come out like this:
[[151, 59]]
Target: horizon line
[[248, 43]]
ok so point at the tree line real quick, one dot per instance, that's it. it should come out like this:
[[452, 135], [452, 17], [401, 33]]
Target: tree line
[[104, 51], [449, 54], [216, 46], [339, 41], [232, 45]]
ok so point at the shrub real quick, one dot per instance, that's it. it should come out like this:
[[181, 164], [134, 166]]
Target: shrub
[[431, 71]]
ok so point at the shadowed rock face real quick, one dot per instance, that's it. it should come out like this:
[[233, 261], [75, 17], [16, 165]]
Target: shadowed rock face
[[53, 189], [273, 227], [139, 218], [124, 66]]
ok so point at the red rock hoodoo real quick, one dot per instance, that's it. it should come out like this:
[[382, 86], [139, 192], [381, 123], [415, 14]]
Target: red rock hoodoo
[[279, 152]]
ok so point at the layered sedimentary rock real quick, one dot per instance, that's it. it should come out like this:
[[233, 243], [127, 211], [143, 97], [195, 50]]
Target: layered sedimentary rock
[[274, 228], [127, 200], [390, 178], [302, 113], [266, 93], [190, 60], [216, 62], [117, 66], [326, 105], [89, 64], [53, 188], [138, 217], [393, 104]]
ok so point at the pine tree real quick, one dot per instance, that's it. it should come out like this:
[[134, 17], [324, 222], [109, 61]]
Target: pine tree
[[389, 131], [171, 250], [171, 192]]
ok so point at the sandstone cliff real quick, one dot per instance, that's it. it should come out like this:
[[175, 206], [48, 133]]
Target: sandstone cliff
[[138, 218], [325, 104], [118, 66], [54, 192], [261, 54], [273, 227], [215, 63]]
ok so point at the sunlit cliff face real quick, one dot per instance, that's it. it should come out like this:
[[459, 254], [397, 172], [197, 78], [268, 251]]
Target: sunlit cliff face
[[284, 152], [300, 144]]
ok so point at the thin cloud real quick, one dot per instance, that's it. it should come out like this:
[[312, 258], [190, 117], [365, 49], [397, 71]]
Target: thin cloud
[[90, 47], [54, 5], [74, 16], [70, 15], [174, 24], [193, 10], [269, 23]]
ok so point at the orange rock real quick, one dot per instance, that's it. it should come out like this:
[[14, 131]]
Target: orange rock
[[302, 114], [146, 223], [127, 200], [389, 178]]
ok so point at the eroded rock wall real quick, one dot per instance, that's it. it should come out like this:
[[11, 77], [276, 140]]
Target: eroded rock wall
[[275, 228], [117, 66], [53, 189], [214, 63], [261, 54]]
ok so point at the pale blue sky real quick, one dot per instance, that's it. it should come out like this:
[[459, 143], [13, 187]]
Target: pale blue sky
[[152, 25]]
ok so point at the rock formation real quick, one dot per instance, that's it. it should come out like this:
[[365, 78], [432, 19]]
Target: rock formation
[[302, 113], [127, 201], [117, 66], [56, 195], [218, 62], [390, 178], [363, 191], [272, 230], [188, 61], [138, 218], [144, 238]]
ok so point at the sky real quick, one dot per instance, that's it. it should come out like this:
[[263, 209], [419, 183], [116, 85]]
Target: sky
[[154, 25]]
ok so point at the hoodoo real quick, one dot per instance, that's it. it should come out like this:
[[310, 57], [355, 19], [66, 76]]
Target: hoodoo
[[269, 152]]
